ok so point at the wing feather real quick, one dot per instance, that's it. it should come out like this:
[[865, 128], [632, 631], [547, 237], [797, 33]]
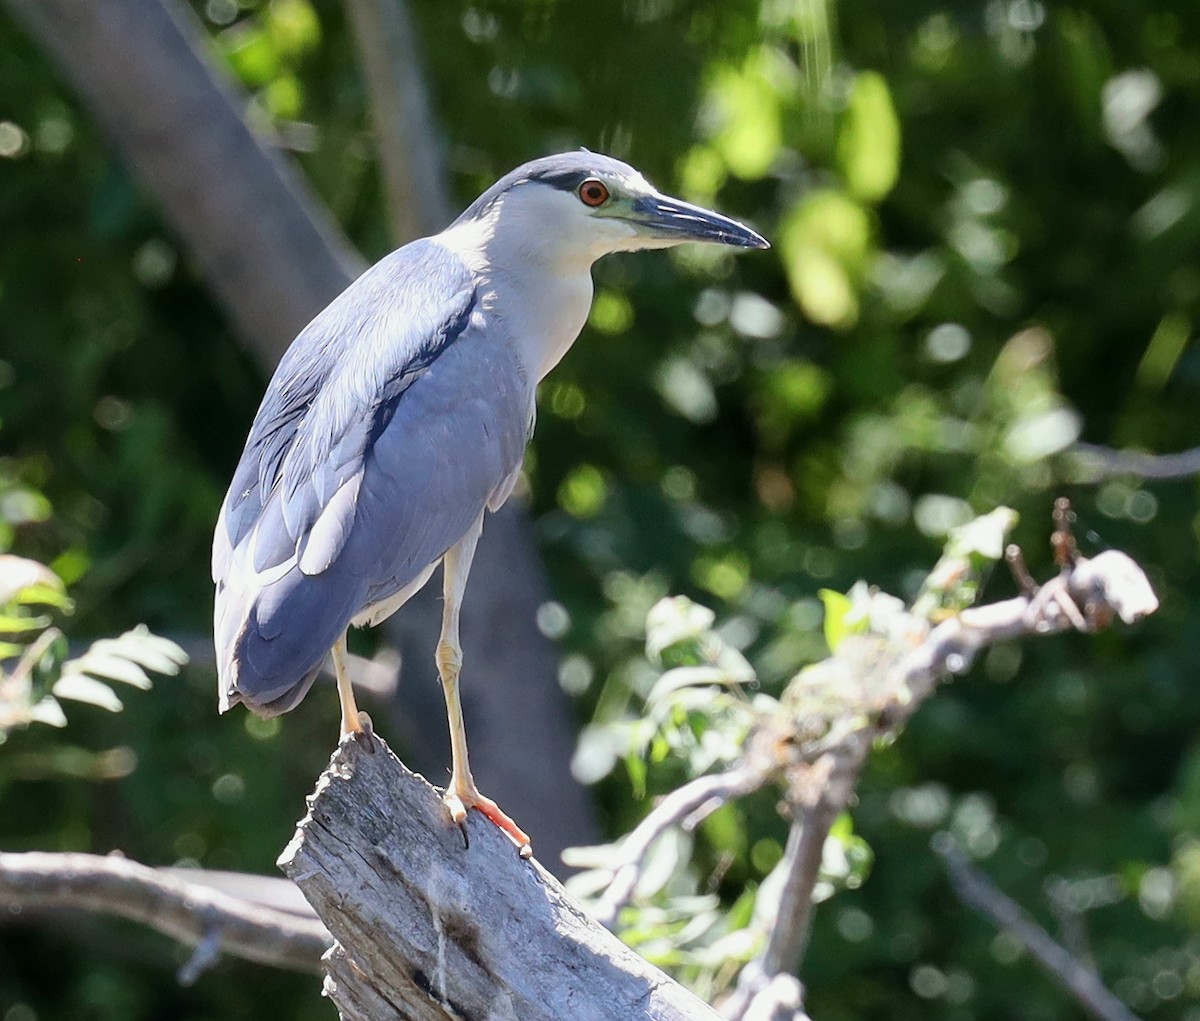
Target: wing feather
[[387, 427]]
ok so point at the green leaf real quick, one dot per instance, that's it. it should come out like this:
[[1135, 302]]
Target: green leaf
[[293, 25], [635, 766], [48, 711], [826, 241], [837, 612], [868, 145], [13, 625], [114, 667], [44, 595], [253, 55], [746, 105], [675, 621]]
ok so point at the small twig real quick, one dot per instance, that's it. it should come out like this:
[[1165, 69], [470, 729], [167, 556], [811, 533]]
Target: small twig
[[188, 912], [790, 924], [788, 936], [977, 891], [1020, 570], [1070, 921], [1103, 463], [780, 998], [693, 802], [1066, 553], [207, 951], [1086, 595]]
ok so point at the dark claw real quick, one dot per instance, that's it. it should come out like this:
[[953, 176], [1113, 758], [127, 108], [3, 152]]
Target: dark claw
[[367, 733], [466, 837]]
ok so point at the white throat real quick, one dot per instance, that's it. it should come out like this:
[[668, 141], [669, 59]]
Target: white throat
[[538, 284]]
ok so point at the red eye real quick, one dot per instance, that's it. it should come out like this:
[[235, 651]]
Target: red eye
[[593, 193]]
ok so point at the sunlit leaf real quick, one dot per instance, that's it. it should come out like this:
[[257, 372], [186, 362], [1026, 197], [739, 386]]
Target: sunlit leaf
[[747, 110], [837, 612], [113, 667], [825, 241], [583, 492], [81, 688], [12, 625], [868, 144], [48, 711], [29, 582], [294, 25], [253, 55], [673, 621], [971, 549]]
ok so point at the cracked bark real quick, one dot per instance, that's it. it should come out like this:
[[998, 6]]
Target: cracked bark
[[428, 929]]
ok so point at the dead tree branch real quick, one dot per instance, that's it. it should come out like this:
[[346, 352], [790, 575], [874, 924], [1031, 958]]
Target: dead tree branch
[[191, 912], [814, 743], [1093, 463], [408, 149], [977, 891], [428, 929], [891, 684], [688, 806]]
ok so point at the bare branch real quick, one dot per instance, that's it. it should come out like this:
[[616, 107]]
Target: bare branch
[[873, 685], [1098, 464], [192, 913], [1070, 921], [788, 935], [408, 145], [977, 891], [690, 805], [780, 998]]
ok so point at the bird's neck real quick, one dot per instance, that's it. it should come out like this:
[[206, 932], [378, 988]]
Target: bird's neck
[[543, 302]]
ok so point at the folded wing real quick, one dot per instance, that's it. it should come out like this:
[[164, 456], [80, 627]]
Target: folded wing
[[389, 424]]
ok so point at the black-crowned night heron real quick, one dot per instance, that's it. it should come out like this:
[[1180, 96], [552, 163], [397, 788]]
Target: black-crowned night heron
[[400, 414]]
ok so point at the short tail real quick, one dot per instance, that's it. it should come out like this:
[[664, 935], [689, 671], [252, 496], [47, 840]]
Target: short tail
[[272, 641]]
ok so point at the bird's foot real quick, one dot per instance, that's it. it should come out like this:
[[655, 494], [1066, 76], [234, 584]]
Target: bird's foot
[[461, 798], [360, 727]]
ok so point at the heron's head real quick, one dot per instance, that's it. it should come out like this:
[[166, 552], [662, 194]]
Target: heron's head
[[576, 207]]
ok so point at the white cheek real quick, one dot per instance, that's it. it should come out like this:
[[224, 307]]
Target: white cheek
[[606, 236]]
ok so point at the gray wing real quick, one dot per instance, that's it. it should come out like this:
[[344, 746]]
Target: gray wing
[[390, 423]]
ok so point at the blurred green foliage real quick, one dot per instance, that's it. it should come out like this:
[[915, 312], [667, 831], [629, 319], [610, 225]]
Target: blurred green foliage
[[38, 676], [987, 227]]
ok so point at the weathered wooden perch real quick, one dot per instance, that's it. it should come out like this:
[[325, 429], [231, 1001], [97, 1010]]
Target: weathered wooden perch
[[428, 929]]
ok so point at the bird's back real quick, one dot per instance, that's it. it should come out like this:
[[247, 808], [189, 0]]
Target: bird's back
[[395, 417]]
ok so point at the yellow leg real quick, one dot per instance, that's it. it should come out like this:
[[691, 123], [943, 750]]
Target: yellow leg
[[462, 794], [351, 722]]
